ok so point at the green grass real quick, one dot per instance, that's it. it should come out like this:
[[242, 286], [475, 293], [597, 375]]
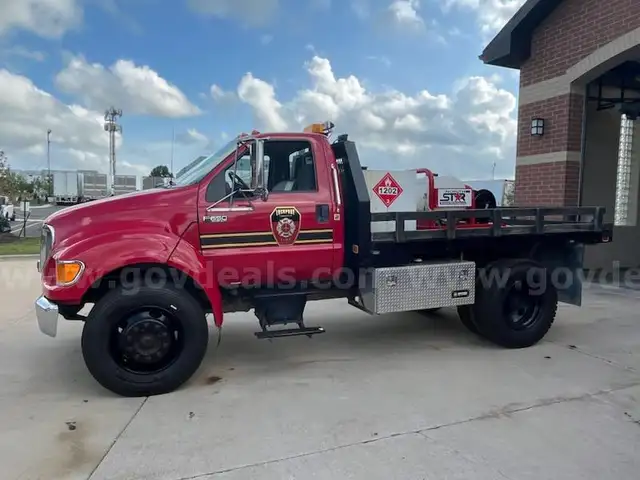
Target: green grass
[[20, 246]]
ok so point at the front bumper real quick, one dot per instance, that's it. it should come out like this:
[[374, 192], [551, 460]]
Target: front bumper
[[47, 315]]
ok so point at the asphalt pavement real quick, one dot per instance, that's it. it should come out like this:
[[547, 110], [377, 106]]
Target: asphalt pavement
[[34, 221], [374, 398]]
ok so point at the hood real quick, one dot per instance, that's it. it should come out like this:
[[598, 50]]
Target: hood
[[166, 209], [109, 204]]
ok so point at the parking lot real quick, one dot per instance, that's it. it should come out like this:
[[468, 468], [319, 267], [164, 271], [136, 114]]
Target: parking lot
[[392, 397], [34, 221]]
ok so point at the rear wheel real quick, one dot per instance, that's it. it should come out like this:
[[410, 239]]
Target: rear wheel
[[517, 309], [147, 343], [428, 311], [465, 312]]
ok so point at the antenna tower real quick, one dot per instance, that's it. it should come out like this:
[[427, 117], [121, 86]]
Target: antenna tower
[[112, 127]]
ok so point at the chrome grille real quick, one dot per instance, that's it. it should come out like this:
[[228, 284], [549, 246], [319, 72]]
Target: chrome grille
[[46, 242]]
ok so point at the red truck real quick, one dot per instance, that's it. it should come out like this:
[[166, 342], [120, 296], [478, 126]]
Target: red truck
[[296, 226]]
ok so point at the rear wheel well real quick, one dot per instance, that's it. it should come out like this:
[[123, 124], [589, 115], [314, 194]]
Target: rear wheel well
[[156, 274]]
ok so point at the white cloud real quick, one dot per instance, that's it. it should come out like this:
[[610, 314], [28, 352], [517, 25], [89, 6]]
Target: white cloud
[[191, 137], [492, 15], [250, 12], [221, 96], [402, 16], [19, 51], [460, 133], [136, 89], [78, 139], [261, 96], [47, 18], [404, 13]]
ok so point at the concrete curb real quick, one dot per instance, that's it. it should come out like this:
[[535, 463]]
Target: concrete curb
[[28, 256]]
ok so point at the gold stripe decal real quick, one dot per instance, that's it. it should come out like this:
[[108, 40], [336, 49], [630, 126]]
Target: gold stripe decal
[[262, 239]]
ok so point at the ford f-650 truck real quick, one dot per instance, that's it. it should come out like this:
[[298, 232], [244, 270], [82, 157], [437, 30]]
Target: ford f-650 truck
[[301, 221]]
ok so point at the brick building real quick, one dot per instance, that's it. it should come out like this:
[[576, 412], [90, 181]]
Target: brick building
[[579, 63]]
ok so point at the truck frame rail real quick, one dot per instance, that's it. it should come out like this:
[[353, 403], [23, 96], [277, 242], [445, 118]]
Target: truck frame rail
[[501, 222]]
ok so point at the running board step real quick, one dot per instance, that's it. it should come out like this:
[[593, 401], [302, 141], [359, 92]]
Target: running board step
[[290, 332]]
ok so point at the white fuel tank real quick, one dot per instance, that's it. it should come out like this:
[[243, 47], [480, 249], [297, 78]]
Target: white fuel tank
[[394, 191], [448, 182]]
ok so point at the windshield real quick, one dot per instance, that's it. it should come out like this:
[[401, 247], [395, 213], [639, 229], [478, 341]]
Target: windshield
[[202, 165]]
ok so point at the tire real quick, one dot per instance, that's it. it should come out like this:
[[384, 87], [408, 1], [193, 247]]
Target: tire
[[465, 312], [428, 311], [492, 312], [99, 334]]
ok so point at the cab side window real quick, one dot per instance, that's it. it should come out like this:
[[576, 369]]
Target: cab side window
[[291, 166], [222, 184]]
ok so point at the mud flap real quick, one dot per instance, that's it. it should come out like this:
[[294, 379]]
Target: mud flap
[[565, 264]]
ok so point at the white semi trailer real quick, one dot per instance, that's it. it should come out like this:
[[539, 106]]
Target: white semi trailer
[[68, 188]]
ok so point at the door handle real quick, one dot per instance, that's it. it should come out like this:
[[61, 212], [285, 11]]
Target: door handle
[[322, 213]]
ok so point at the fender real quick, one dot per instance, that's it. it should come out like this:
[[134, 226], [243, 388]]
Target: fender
[[189, 260], [103, 254]]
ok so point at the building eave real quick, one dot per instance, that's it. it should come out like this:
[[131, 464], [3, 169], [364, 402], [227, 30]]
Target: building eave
[[511, 47]]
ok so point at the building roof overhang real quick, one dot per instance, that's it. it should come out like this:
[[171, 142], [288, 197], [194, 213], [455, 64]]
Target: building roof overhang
[[511, 47]]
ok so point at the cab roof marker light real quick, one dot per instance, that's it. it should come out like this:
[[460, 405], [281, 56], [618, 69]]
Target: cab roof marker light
[[322, 128]]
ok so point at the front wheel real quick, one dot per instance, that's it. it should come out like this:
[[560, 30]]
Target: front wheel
[[145, 343]]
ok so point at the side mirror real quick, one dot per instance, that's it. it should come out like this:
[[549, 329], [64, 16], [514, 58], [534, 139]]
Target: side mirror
[[262, 193]]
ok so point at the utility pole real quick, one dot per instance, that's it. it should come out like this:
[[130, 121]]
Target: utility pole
[[112, 127], [49, 179], [493, 171]]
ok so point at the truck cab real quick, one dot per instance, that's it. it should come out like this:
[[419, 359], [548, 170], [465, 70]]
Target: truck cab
[[276, 216], [274, 220]]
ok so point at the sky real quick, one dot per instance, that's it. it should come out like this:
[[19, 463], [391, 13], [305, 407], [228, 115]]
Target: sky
[[401, 77]]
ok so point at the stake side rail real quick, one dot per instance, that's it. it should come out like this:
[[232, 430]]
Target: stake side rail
[[501, 222]]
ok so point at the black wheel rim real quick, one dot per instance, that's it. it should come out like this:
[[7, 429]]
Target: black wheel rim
[[146, 341], [522, 305]]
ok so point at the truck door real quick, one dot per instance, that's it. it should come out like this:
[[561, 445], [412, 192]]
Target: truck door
[[290, 236]]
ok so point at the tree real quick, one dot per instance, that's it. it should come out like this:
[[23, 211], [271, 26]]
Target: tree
[[7, 179], [160, 171], [13, 184], [41, 185]]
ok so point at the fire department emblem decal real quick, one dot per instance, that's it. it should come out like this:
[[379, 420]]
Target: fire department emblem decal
[[285, 225]]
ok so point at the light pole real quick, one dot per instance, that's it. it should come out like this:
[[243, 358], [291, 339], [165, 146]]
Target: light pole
[[50, 183]]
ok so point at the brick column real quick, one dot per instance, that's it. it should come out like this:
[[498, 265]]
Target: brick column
[[547, 167]]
